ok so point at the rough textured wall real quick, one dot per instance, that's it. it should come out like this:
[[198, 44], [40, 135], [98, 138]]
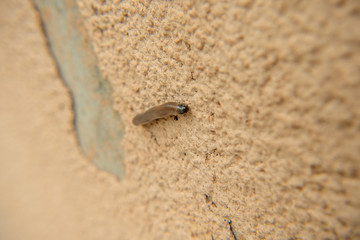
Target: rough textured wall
[[272, 142]]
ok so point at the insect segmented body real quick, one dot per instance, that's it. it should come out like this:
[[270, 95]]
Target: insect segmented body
[[163, 110]]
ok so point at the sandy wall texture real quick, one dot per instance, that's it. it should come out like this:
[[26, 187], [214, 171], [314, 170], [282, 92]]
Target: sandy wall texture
[[272, 142]]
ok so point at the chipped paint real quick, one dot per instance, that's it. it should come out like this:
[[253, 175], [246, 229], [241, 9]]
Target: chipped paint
[[98, 128]]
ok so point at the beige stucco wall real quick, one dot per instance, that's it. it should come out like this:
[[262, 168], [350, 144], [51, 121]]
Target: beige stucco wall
[[272, 142]]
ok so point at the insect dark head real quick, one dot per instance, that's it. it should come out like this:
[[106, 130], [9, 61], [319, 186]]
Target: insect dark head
[[182, 108]]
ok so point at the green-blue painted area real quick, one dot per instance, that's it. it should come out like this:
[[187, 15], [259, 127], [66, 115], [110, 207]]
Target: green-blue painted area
[[99, 129]]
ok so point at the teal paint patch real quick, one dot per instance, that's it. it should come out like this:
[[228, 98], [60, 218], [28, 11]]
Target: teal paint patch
[[99, 129]]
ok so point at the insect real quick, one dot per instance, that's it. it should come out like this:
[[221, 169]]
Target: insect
[[163, 110]]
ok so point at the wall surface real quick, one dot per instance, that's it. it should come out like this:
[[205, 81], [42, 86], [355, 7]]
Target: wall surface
[[271, 145]]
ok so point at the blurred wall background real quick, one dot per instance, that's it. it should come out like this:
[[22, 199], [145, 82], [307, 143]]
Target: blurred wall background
[[271, 144]]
